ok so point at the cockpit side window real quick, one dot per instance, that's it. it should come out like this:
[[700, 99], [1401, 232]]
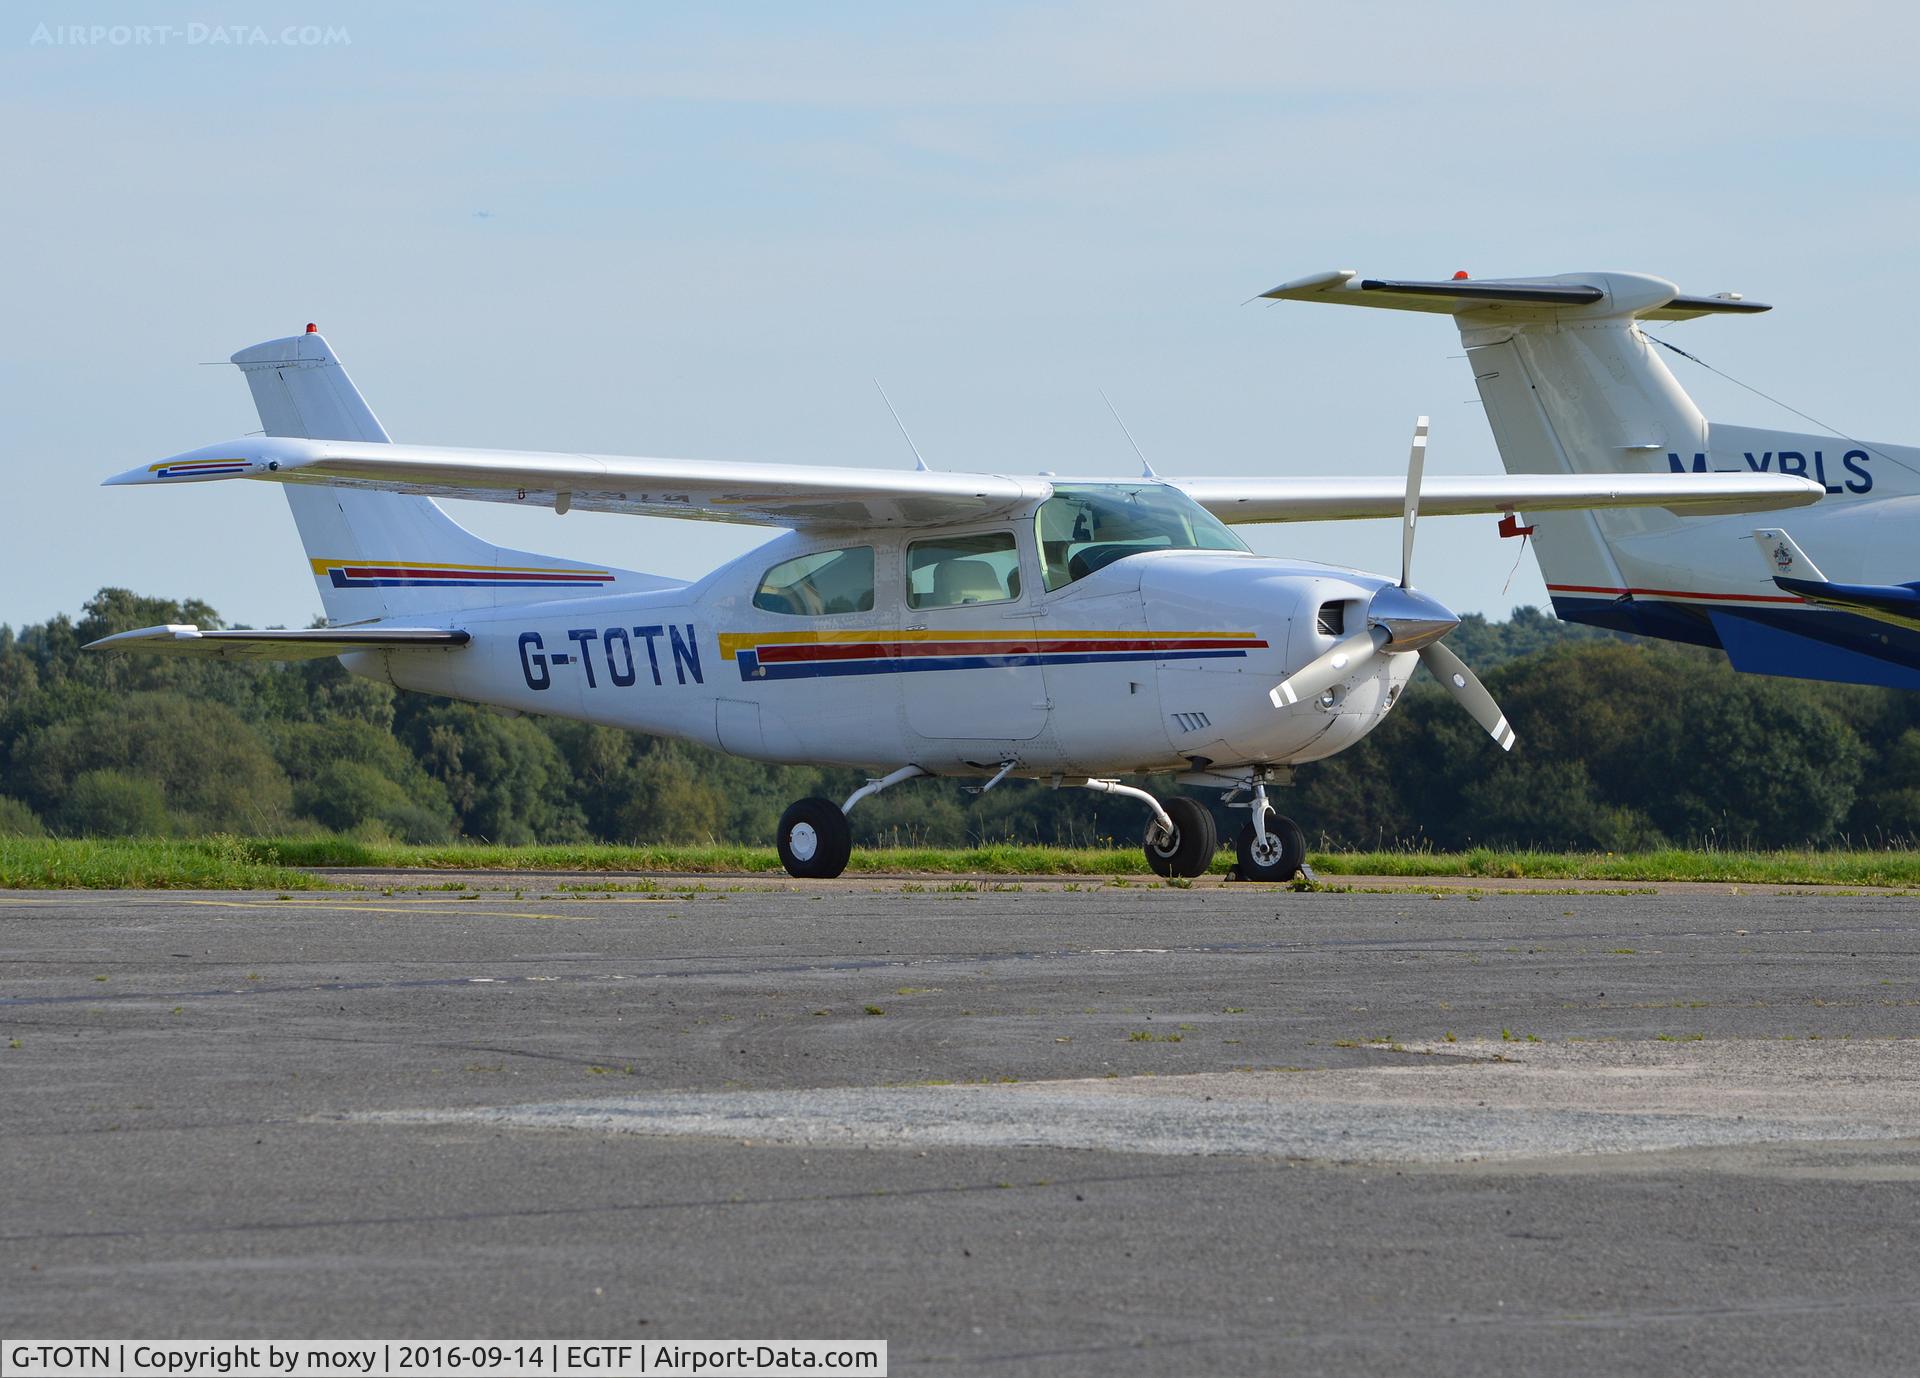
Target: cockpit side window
[[1085, 528], [950, 571], [823, 584]]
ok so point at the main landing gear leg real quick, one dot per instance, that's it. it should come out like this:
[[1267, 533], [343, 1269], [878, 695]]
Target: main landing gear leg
[[815, 839], [1181, 839]]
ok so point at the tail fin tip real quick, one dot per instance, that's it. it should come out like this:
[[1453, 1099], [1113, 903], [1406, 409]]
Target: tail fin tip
[[1785, 559]]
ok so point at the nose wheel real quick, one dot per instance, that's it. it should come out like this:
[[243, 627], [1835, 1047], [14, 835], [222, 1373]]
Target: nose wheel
[[1189, 851], [1276, 856], [814, 839]]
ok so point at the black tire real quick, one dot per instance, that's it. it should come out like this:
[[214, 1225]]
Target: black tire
[[1286, 850], [815, 840], [1195, 840]]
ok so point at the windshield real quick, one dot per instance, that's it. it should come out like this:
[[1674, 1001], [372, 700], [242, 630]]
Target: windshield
[[1085, 528]]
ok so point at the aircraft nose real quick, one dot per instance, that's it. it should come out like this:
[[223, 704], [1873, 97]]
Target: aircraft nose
[[1410, 618]]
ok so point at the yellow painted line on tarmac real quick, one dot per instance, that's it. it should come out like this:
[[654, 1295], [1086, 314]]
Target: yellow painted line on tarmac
[[351, 908]]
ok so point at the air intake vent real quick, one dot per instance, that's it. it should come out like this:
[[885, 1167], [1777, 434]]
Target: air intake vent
[[1332, 620]]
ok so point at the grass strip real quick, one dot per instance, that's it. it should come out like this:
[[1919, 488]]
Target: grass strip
[[214, 863], [1898, 869], [284, 863]]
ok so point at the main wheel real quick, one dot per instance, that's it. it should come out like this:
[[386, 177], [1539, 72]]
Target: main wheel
[[1195, 839], [815, 839], [1279, 857]]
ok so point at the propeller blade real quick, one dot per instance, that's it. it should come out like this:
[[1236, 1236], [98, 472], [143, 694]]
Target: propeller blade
[[1465, 686], [1342, 662], [1416, 467]]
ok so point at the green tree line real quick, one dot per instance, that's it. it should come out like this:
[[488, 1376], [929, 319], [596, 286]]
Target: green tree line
[[1622, 745]]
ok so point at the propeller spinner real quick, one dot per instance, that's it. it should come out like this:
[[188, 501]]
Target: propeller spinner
[[1402, 620]]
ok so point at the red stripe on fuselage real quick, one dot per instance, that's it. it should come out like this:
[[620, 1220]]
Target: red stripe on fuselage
[[558, 576], [1674, 593], [883, 650]]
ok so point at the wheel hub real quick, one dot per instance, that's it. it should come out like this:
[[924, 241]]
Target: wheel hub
[[1266, 850], [803, 842]]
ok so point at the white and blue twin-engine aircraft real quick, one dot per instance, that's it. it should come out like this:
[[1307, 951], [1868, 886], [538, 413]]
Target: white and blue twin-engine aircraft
[[907, 623], [1573, 384]]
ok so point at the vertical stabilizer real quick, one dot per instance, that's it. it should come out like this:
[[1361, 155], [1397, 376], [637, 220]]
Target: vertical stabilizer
[[1572, 383], [377, 555]]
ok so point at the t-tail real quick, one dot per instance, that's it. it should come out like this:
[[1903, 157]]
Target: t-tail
[[1572, 383], [378, 555]]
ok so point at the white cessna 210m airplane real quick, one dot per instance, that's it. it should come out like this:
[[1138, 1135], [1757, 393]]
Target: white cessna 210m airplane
[[908, 623]]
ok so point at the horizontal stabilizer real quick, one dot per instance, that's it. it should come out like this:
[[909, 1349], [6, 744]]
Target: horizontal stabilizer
[[1604, 294], [309, 644]]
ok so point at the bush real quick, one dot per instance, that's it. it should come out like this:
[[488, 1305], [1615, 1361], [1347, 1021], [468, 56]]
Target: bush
[[111, 803], [346, 795], [209, 768], [17, 820]]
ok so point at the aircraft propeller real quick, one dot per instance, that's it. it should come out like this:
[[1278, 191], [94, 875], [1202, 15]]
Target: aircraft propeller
[[1400, 619]]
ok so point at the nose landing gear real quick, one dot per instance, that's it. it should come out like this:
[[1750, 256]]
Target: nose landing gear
[[1270, 847], [1274, 853]]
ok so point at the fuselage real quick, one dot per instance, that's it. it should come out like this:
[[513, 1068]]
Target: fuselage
[[1697, 580], [947, 650]]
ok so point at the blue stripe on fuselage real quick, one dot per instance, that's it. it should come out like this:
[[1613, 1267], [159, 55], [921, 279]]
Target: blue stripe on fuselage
[[342, 580], [1794, 642], [1643, 617]]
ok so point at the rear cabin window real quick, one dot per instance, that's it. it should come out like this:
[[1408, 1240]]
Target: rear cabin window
[[819, 585], [956, 570]]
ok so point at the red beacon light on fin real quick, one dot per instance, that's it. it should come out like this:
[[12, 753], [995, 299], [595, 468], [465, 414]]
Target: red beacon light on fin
[[313, 329], [1460, 276]]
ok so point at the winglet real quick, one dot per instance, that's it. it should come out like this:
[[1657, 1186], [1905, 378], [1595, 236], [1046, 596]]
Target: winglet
[[1785, 559]]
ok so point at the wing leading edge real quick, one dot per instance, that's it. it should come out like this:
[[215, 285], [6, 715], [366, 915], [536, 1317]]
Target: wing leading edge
[[804, 496], [1245, 500], [792, 495]]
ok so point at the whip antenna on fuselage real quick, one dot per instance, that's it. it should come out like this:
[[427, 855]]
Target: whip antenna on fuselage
[[918, 463], [1146, 469]]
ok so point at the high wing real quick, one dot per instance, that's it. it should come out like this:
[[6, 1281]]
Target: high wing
[[306, 644], [806, 496], [1240, 500], [791, 495]]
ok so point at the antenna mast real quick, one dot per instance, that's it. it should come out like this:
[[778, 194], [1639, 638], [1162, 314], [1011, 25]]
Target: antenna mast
[[919, 464], [1146, 469]]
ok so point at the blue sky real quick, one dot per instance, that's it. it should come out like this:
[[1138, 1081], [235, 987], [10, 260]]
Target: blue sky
[[703, 230]]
